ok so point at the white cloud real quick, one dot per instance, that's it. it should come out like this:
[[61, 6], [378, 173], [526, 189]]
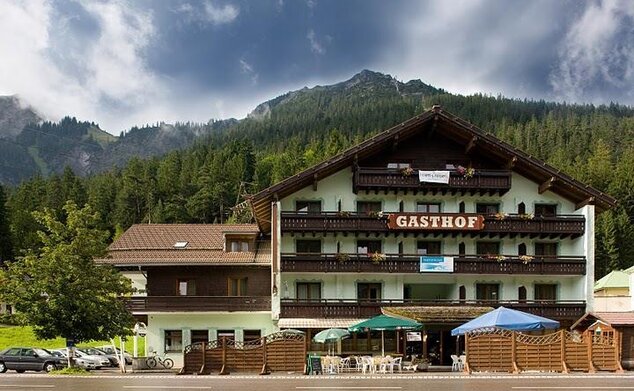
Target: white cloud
[[247, 69], [472, 45], [597, 55], [315, 46], [210, 13]]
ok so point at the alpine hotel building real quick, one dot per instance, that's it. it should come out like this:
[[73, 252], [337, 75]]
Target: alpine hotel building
[[433, 219]]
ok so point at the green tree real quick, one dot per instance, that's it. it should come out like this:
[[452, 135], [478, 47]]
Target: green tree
[[59, 290], [6, 243]]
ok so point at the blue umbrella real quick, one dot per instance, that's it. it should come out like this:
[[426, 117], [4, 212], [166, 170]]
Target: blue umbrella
[[506, 318]]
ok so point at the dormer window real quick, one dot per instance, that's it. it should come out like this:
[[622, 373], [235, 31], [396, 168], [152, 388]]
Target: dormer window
[[236, 243], [182, 244]]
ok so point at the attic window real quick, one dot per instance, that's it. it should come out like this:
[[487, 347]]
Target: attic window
[[180, 244]]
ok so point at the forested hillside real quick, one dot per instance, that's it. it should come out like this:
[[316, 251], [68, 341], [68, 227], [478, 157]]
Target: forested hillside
[[302, 128]]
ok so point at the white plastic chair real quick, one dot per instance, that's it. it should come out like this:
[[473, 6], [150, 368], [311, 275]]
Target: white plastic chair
[[396, 363], [455, 364], [367, 364]]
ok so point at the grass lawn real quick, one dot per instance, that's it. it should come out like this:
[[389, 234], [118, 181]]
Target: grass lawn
[[23, 336]]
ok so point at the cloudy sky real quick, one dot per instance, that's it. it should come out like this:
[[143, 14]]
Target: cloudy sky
[[122, 63]]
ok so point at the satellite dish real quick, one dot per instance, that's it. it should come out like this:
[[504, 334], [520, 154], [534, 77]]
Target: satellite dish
[[140, 329]]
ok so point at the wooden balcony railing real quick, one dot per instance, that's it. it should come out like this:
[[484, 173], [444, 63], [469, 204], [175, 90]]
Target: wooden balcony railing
[[141, 304], [334, 308], [509, 225], [410, 263], [390, 179]]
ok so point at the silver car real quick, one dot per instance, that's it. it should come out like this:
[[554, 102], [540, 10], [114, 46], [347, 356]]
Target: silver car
[[99, 361], [81, 362]]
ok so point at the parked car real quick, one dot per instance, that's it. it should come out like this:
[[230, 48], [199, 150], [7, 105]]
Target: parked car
[[114, 362], [29, 359], [109, 349], [82, 360]]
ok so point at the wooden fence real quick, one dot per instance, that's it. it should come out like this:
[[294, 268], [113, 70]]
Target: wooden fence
[[497, 350], [281, 351]]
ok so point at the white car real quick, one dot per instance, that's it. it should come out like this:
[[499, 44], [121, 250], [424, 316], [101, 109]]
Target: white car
[[116, 351], [81, 362], [99, 361]]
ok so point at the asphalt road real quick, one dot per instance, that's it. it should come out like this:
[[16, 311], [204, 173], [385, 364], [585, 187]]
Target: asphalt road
[[135, 382]]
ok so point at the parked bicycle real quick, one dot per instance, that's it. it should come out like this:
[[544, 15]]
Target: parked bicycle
[[154, 359]]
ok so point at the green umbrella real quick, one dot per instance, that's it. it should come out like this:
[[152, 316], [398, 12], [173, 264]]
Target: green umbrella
[[382, 323], [330, 335]]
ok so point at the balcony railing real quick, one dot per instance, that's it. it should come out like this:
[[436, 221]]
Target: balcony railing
[[333, 308], [141, 304], [482, 182], [503, 225], [410, 263]]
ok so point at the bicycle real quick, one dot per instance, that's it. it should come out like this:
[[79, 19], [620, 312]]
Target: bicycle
[[166, 362]]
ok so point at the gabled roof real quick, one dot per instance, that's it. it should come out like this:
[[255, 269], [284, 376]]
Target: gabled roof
[[453, 127], [614, 279], [184, 244], [610, 318]]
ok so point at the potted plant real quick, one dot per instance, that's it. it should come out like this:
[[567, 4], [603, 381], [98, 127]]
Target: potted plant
[[342, 257], [377, 257], [526, 258], [466, 172], [500, 216], [526, 216], [375, 214], [343, 213], [407, 171]]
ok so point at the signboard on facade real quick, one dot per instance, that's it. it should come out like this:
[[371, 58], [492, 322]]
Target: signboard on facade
[[414, 336], [436, 264], [435, 221], [434, 176]]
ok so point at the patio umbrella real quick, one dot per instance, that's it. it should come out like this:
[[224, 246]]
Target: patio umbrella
[[506, 318], [383, 323], [330, 335]]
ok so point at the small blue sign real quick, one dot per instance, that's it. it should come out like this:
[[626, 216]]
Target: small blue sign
[[436, 264], [70, 343]]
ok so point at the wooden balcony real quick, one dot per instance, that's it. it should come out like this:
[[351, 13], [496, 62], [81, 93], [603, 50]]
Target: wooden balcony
[[389, 179], [333, 308], [559, 226], [410, 263], [144, 304]]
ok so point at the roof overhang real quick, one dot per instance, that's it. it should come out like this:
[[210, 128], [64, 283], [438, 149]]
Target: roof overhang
[[453, 127]]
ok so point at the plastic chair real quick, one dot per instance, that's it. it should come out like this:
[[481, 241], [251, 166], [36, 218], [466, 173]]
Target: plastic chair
[[396, 363], [367, 364], [455, 363]]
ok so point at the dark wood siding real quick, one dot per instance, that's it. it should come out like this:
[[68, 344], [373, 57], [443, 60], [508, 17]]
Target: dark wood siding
[[430, 152], [210, 280]]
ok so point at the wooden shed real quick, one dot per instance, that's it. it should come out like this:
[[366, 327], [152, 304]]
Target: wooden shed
[[617, 324]]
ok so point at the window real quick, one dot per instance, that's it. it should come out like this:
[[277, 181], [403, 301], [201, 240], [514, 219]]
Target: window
[[521, 249], [227, 334], [425, 207], [238, 245], [173, 340], [199, 336], [308, 246], [487, 208], [237, 286], [488, 292], [461, 207], [250, 335], [368, 246], [545, 249], [12, 352], [428, 248], [521, 294], [521, 208], [182, 244], [461, 249], [462, 294], [546, 210], [309, 290], [308, 206], [487, 248], [368, 291], [368, 206], [546, 292], [399, 165], [187, 287]]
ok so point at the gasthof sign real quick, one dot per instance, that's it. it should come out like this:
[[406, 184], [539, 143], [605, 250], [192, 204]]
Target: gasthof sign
[[435, 221]]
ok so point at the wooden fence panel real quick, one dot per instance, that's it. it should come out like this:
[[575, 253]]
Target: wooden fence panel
[[490, 351], [605, 356], [538, 352], [283, 351], [576, 352]]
